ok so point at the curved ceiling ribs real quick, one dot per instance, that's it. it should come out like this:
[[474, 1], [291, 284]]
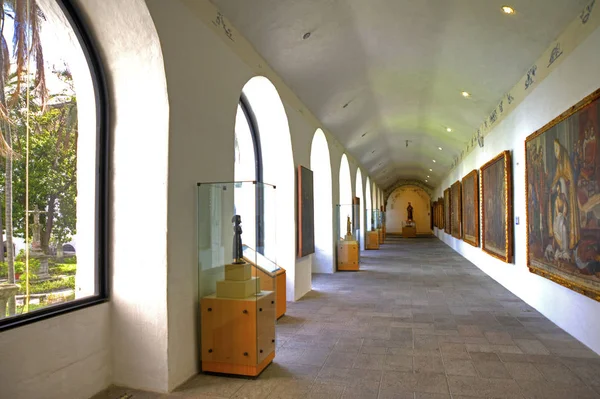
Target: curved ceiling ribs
[[386, 76]]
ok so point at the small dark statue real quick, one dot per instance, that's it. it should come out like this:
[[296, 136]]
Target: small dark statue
[[238, 251]]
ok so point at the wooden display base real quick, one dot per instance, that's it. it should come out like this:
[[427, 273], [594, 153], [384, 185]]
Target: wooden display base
[[347, 256], [277, 284], [372, 240], [237, 335], [380, 232], [409, 232], [237, 369]]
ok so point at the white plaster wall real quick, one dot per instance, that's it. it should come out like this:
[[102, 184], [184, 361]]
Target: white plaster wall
[[576, 77], [62, 357]]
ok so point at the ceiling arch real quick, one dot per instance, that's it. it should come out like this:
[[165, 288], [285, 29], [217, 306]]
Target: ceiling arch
[[386, 76]]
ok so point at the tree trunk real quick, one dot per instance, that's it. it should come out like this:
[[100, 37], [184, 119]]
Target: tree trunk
[[9, 221], [45, 238]]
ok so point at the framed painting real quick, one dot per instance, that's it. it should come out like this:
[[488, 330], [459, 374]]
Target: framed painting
[[470, 208], [496, 207], [456, 204], [306, 223], [447, 204], [441, 213], [434, 213], [562, 188]]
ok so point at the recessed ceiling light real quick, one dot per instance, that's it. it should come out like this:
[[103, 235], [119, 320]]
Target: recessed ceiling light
[[440, 148], [426, 181], [466, 94], [448, 129], [508, 10], [431, 170], [306, 36], [434, 161], [428, 177]]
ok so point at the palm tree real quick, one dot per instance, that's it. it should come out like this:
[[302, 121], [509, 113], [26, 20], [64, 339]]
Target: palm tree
[[26, 47]]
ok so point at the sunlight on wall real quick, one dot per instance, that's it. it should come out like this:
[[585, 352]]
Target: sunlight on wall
[[320, 164], [359, 194], [278, 169], [345, 192]]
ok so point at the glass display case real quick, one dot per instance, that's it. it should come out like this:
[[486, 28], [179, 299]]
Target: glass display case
[[348, 236], [236, 254], [372, 236]]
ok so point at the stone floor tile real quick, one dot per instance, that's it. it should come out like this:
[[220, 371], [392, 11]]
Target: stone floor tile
[[398, 363], [552, 390], [523, 371], [532, 346], [369, 362], [459, 367], [558, 373], [427, 364], [491, 369]]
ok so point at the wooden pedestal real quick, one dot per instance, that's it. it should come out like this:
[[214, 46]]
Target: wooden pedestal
[[347, 255], [277, 284], [238, 335], [409, 232], [372, 240]]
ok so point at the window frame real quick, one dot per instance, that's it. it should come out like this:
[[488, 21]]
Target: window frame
[[260, 203], [90, 50]]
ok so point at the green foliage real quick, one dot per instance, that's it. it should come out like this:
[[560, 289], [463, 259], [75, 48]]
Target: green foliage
[[72, 260], [62, 269], [34, 265], [48, 285]]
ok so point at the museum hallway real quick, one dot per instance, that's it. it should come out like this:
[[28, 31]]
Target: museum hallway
[[418, 321]]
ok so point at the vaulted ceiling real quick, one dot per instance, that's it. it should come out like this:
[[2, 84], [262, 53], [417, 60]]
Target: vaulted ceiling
[[380, 72]]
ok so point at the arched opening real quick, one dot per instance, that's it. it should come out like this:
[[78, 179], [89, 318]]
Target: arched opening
[[368, 204], [320, 164], [345, 192], [278, 170], [248, 167], [397, 213], [359, 194]]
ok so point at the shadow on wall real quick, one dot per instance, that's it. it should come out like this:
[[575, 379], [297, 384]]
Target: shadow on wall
[[397, 213]]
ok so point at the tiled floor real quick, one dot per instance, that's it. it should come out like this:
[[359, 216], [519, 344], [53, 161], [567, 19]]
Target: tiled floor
[[417, 322]]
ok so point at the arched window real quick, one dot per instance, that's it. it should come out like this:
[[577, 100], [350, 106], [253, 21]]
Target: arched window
[[54, 147], [248, 167]]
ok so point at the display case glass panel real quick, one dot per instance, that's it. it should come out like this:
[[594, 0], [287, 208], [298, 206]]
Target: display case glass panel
[[236, 233]]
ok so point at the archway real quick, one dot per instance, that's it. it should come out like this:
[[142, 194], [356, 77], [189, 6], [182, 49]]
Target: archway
[[360, 195], [368, 204], [278, 170], [397, 213], [345, 192], [320, 164]]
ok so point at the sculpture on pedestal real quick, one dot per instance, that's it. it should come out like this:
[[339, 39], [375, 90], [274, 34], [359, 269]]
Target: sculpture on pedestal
[[409, 210], [238, 251], [349, 236]]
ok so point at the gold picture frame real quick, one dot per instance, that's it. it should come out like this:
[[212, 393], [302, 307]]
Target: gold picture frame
[[441, 213], [456, 209], [496, 207], [447, 211], [470, 208], [565, 251]]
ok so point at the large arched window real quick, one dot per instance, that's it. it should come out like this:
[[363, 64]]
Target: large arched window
[[248, 167], [345, 188], [53, 146], [368, 204]]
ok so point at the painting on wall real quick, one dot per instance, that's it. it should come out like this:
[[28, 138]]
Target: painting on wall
[[434, 213], [441, 213], [456, 204], [447, 203], [562, 188], [306, 223], [470, 208], [496, 207]]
